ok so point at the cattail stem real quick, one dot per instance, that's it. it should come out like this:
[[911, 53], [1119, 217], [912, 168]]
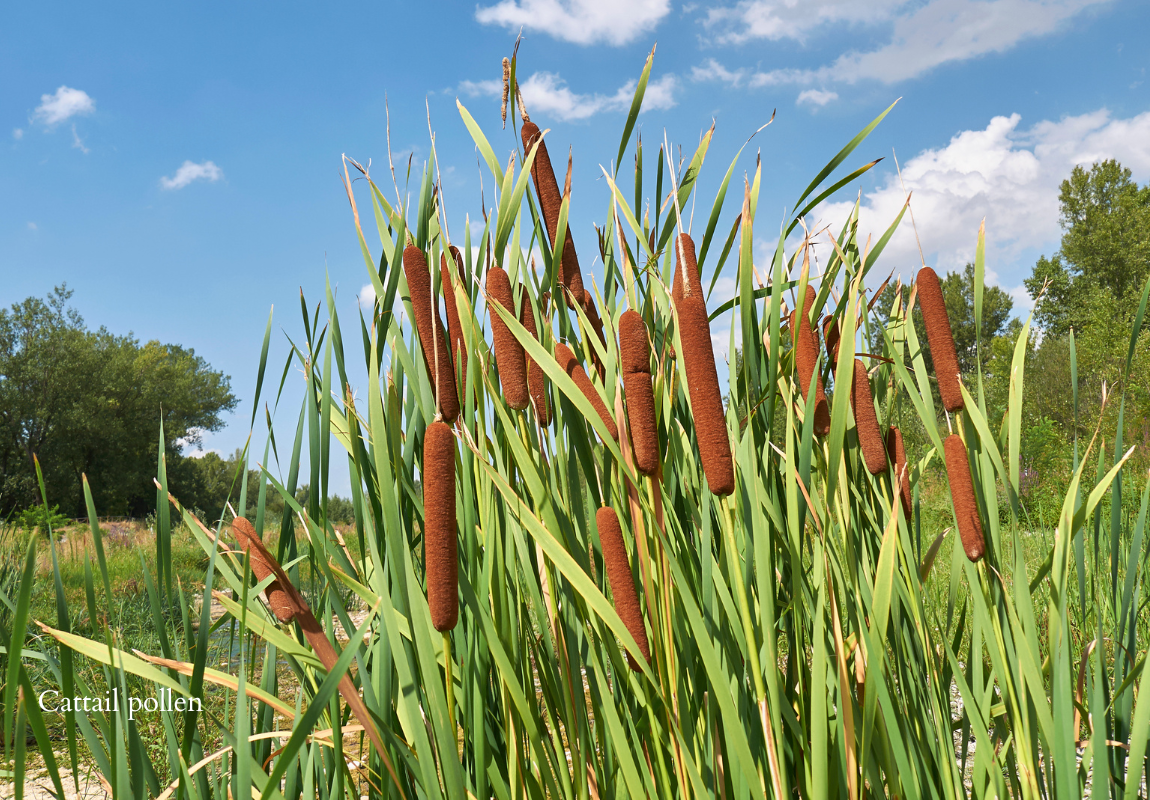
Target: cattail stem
[[963, 497], [703, 379], [450, 684], [509, 355], [622, 582], [575, 371], [440, 545], [938, 333], [635, 358]]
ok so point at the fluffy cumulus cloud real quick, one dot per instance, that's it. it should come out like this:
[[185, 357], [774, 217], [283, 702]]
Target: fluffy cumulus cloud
[[549, 95], [583, 22], [64, 104], [190, 171], [816, 97], [1003, 173], [923, 36]]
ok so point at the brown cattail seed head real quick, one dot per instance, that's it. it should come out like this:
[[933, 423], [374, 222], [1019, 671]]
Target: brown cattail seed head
[[685, 259], [278, 596], [588, 306], [896, 452], [831, 338], [866, 421], [432, 336], [806, 362], [550, 199], [439, 538], [619, 576], [508, 352], [703, 383], [938, 333], [536, 380], [962, 495], [635, 358], [454, 329], [570, 365]]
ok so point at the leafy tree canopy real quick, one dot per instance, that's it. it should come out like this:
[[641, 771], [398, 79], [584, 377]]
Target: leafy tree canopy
[[89, 403]]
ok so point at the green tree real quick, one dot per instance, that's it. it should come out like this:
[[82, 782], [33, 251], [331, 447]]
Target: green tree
[[90, 403]]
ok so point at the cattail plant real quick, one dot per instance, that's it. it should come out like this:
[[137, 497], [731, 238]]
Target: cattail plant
[[962, 495], [866, 421], [938, 333], [432, 336], [588, 306], [441, 560], [702, 377], [550, 199], [454, 330], [831, 337], [575, 371], [536, 379], [806, 362], [896, 452], [635, 358], [619, 576], [509, 353]]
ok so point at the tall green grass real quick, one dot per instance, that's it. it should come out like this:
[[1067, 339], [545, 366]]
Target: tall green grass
[[794, 652]]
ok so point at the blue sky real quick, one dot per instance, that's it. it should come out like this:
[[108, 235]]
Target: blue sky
[[178, 167]]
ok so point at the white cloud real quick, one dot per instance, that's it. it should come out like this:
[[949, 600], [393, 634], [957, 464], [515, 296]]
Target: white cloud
[[712, 70], [922, 36], [548, 94], [1004, 174], [77, 142], [17, 133], [66, 103], [32, 226], [583, 22], [816, 97], [190, 171], [367, 297]]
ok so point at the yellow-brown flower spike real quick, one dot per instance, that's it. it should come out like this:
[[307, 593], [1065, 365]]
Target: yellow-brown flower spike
[[509, 355], [566, 359], [619, 576], [432, 336], [938, 333], [635, 358], [962, 494], [441, 559]]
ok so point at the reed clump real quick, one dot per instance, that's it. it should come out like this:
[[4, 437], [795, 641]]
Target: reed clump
[[635, 360]]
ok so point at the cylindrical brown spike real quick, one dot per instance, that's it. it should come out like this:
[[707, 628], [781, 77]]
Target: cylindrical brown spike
[[432, 336], [536, 380], [962, 495], [806, 362], [454, 330], [440, 556], [619, 575], [635, 358], [571, 366], [938, 333], [277, 595], [866, 421], [509, 353], [703, 379], [550, 199], [831, 338], [896, 452], [685, 250], [588, 305]]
